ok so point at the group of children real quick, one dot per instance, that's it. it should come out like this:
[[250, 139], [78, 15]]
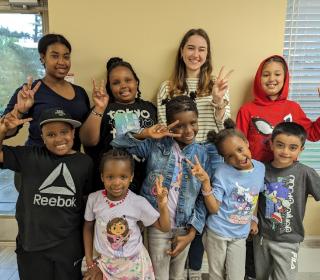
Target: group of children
[[216, 186]]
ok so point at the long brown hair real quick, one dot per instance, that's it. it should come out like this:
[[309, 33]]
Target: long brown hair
[[178, 83]]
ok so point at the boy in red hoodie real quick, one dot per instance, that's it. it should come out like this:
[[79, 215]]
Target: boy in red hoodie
[[270, 106]]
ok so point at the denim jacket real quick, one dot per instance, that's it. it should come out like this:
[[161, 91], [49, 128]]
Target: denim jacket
[[161, 160]]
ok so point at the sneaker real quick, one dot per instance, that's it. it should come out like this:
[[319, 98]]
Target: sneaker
[[194, 274]]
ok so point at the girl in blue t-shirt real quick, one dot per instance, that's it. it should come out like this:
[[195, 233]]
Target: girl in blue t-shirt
[[231, 201]]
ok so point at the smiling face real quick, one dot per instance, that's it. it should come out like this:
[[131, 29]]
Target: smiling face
[[57, 60], [272, 79], [116, 176], [123, 85], [194, 54], [187, 127], [58, 137], [235, 152], [286, 149]]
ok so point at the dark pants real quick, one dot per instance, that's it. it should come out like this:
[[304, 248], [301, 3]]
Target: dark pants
[[196, 253], [250, 269], [62, 262]]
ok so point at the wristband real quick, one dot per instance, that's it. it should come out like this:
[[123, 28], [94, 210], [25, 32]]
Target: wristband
[[206, 193], [255, 219], [96, 113], [94, 264], [220, 106]]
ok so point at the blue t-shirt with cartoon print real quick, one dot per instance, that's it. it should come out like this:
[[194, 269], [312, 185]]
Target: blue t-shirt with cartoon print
[[237, 191]]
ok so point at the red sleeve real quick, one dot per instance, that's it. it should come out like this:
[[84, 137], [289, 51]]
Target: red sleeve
[[243, 119], [312, 128]]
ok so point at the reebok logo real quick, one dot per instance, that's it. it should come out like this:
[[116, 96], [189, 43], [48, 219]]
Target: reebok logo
[[49, 186]]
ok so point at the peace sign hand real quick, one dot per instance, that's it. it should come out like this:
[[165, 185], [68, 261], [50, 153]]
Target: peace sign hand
[[25, 97], [162, 192], [11, 120], [220, 86], [159, 131], [198, 171], [99, 96]]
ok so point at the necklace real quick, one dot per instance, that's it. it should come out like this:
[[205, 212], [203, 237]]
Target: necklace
[[112, 203]]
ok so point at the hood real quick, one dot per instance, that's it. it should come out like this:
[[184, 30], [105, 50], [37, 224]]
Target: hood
[[260, 97]]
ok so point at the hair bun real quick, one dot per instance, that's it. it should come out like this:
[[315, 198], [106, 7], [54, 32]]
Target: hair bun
[[112, 61], [229, 124]]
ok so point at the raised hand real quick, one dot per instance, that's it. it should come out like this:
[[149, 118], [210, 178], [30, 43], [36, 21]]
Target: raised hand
[[159, 131], [162, 192], [11, 120], [99, 96], [198, 171], [25, 97], [220, 86]]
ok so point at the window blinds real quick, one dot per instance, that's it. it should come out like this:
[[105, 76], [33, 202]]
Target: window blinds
[[302, 52]]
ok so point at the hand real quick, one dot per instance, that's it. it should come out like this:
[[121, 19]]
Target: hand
[[179, 243], [25, 97], [162, 192], [220, 86], [11, 120], [159, 131], [319, 91], [254, 228], [93, 274], [198, 171], [99, 96]]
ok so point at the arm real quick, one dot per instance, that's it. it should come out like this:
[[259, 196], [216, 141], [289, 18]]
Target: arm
[[90, 129], [254, 221], [163, 94], [179, 243], [9, 122], [219, 89], [243, 120], [210, 201], [163, 223]]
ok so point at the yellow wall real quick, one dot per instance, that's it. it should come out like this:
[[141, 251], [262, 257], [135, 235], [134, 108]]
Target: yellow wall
[[147, 34]]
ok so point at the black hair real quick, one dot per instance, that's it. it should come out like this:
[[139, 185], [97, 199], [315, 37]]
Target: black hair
[[229, 131], [177, 104], [50, 39], [114, 62], [116, 154], [290, 128]]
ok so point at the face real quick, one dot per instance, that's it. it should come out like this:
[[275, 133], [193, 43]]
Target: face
[[236, 152], [286, 149], [272, 79], [57, 60], [187, 127], [118, 228], [194, 54], [123, 85], [58, 137], [116, 177]]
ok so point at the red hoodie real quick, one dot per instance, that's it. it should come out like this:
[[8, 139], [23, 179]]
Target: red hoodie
[[257, 119]]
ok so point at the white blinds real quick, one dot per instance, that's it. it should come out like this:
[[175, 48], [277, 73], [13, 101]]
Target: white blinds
[[302, 52]]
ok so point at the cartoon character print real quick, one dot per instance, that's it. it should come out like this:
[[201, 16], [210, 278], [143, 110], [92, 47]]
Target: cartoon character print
[[265, 128], [244, 203], [276, 202], [118, 233]]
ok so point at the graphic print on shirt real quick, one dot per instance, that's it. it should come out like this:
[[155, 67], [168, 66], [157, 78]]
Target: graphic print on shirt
[[264, 128], [59, 183], [118, 233], [279, 198], [244, 202]]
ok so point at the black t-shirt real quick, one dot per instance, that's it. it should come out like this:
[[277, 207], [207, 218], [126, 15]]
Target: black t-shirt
[[147, 114], [50, 204]]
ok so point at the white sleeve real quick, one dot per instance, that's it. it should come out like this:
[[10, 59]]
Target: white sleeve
[[162, 94], [88, 214], [148, 215]]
